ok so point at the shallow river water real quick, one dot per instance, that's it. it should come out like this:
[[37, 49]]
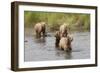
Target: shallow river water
[[44, 49]]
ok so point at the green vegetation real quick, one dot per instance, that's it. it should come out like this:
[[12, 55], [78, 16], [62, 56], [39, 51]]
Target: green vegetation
[[75, 21]]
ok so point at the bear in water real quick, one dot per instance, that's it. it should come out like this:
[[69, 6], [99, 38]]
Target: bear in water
[[65, 43], [40, 29]]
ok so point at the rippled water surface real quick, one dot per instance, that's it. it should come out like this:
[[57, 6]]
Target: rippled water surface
[[44, 49]]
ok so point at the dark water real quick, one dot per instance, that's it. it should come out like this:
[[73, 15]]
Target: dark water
[[44, 49]]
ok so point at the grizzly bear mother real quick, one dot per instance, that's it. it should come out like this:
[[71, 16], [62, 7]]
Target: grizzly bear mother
[[40, 29]]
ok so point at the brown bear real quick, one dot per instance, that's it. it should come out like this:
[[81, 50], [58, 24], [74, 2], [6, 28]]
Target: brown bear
[[40, 29], [57, 35], [65, 43], [63, 30]]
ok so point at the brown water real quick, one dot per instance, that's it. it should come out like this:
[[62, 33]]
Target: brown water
[[44, 49]]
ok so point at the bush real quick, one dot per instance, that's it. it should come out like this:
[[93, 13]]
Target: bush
[[75, 21]]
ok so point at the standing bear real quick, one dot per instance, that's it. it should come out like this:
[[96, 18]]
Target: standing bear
[[63, 30], [65, 43], [40, 29]]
